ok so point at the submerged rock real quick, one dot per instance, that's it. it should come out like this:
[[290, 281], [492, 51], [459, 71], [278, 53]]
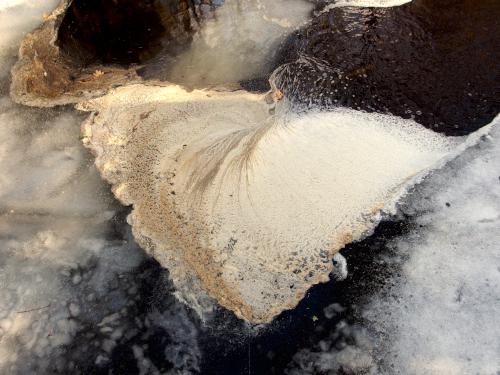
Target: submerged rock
[[86, 47]]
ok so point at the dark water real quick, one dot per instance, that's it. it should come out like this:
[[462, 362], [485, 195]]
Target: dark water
[[434, 61], [229, 346], [128, 32]]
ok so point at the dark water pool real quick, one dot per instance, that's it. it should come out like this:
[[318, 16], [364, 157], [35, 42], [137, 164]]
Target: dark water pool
[[433, 61]]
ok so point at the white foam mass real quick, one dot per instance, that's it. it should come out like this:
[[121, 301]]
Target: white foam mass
[[372, 3], [364, 3], [252, 205], [442, 318]]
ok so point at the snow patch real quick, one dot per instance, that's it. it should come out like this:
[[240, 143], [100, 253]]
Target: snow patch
[[442, 316]]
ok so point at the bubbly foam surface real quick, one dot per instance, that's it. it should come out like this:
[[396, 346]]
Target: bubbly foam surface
[[60, 273], [253, 205]]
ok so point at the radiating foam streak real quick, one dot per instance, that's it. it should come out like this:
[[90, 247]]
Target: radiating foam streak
[[247, 195]]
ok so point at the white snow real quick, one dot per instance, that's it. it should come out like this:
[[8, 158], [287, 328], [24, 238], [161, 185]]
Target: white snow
[[18, 17], [367, 3], [443, 316]]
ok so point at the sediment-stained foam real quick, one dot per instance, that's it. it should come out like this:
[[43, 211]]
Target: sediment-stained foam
[[247, 205]]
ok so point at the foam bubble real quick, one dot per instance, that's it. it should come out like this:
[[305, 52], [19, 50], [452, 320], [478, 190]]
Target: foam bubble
[[57, 257]]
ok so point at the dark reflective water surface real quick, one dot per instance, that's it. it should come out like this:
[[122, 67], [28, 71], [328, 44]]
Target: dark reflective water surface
[[270, 351], [124, 32], [226, 344], [434, 61]]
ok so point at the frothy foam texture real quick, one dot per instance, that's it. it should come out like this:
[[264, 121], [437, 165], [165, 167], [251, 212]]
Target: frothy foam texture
[[251, 204], [56, 259]]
